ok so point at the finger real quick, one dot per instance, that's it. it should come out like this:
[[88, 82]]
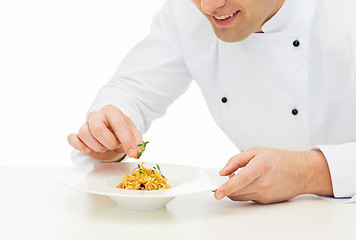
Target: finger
[[87, 138], [243, 178], [109, 156], [135, 132], [242, 198], [122, 130], [102, 134], [251, 188], [239, 161], [76, 143]]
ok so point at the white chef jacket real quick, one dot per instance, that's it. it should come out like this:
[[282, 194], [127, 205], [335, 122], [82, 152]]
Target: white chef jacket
[[292, 87]]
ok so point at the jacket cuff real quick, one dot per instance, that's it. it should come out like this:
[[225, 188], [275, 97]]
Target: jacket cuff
[[341, 159]]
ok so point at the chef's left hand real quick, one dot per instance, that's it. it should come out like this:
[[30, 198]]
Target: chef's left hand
[[273, 175]]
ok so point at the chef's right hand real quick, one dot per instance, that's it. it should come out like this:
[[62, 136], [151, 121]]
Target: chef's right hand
[[107, 135]]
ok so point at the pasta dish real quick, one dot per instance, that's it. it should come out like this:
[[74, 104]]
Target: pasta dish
[[142, 178]]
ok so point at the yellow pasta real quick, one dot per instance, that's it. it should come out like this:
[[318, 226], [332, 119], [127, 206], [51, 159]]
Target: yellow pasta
[[143, 178]]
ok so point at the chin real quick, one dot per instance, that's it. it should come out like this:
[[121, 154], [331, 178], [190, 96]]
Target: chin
[[230, 38]]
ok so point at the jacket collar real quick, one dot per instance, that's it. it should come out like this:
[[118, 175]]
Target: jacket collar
[[294, 14]]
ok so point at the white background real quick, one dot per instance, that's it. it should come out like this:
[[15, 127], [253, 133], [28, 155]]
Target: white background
[[55, 55]]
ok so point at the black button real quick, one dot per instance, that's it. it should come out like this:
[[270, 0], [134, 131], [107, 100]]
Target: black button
[[296, 43], [295, 111], [224, 99]]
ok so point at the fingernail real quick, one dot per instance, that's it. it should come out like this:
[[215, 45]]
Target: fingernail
[[222, 171], [219, 195], [131, 152]]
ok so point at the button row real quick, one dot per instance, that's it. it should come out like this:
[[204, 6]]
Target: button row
[[294, 111], [296, 43]]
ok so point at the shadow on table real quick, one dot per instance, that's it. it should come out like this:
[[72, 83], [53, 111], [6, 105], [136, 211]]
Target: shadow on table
[[105, 207], [203, 207]]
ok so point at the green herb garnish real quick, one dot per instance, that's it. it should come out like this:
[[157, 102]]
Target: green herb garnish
[[143, 148], [158, 170]]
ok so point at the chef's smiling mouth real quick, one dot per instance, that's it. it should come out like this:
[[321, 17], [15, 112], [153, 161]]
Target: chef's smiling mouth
[[224, 17], [224, 20]]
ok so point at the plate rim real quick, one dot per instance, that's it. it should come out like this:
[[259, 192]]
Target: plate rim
[[145, 194]]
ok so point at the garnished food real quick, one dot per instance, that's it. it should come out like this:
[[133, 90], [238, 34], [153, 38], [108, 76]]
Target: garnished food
[[143, 148], [143, 178]]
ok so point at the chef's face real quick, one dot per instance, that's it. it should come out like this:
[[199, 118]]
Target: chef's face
[[235, 20]]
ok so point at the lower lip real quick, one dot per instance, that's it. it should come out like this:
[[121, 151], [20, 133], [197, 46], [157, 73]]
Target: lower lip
[[225, 22]]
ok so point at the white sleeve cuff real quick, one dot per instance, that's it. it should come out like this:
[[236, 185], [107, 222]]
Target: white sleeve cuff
[[341, 159]]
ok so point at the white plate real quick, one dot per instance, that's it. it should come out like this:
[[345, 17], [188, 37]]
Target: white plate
[[102, 178]]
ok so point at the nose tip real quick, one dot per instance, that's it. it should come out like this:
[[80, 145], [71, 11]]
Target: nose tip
[[209, 6]]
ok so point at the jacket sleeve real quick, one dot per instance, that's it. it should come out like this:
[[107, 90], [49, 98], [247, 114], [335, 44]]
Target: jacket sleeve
[[151, 76], [341, 159]]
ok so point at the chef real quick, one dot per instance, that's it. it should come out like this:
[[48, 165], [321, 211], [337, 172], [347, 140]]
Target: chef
[[278, 76]]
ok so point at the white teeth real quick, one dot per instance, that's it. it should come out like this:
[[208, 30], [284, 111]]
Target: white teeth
[[225, 16]]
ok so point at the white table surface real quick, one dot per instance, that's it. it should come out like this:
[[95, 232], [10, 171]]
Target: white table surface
[[35, 205]]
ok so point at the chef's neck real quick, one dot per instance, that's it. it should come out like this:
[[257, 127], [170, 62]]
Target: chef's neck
[[275, 10]]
